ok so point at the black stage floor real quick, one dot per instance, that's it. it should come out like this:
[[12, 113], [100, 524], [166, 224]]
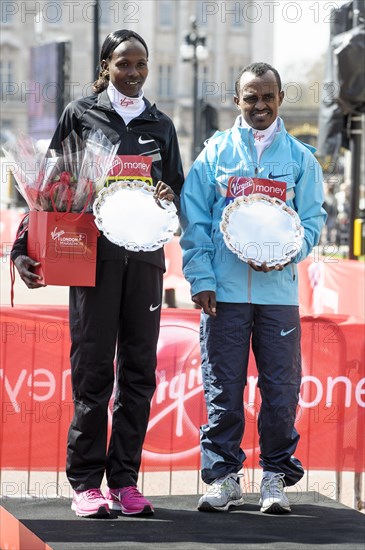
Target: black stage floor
[[316, 523]]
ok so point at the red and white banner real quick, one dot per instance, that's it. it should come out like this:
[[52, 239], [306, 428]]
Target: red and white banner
[[330, 285], [9, 224], [36, 408]]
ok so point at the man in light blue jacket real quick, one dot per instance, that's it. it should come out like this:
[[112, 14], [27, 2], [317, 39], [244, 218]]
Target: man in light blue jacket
[[245, 301]]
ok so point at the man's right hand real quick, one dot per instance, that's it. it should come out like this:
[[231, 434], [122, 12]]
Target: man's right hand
[[206, 300], [23, 263]]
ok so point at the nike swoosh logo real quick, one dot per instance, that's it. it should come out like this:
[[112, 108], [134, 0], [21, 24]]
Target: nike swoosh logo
[[272, 177], [153, 308], [286, 332], [143, 141]]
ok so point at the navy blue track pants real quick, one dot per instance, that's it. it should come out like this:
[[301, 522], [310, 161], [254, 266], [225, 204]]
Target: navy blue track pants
[[225, 344]]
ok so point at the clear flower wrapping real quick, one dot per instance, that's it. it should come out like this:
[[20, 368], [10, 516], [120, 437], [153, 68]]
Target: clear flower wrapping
[[66, 182]]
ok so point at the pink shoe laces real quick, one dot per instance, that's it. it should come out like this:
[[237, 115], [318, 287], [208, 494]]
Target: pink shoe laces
[[92, 494]]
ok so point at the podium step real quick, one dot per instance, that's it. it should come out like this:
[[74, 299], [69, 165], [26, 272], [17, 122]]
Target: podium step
[[316, 523]]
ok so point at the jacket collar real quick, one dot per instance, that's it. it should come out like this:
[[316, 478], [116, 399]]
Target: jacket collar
[[243, 132], [103, 102]]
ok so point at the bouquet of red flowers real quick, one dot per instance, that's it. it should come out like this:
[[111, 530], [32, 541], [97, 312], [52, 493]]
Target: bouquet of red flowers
[[66, 182]]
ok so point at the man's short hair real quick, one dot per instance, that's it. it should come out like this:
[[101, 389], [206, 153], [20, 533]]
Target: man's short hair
[[258, 69]]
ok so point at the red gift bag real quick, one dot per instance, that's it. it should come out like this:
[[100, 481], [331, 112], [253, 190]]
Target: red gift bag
[[65, 246]]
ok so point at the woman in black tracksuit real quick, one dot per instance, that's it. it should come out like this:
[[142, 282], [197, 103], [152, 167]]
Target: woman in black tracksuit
[[123, 310]]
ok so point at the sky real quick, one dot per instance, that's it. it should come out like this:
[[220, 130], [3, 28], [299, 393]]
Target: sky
[[302, 32]]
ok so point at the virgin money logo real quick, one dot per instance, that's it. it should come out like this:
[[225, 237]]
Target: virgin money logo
[[131, 165], [125, 102], [238, 186], [68, 240], [55, 234], [177, 407]]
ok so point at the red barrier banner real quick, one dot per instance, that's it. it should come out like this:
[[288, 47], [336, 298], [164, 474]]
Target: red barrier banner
[[37, 406], [9, 224], [330, 285]]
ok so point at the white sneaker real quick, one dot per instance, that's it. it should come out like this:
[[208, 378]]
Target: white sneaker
[[223, 493], [273, 499]]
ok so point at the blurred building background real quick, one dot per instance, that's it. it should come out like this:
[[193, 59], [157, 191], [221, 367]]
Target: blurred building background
[[38, 77], [49, 56]]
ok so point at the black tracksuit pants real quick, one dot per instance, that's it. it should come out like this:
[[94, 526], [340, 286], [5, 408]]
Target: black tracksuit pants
[[121, 312]]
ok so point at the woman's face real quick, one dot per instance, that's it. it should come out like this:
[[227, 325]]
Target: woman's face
[[127, 67]]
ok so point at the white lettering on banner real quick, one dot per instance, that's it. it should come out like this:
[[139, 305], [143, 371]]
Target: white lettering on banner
[[34, 383], [56, 234], [267, 190], [176, 391], [28, 380], [180, 389], [359, 392], [64, 239], [238, 187], [13, 392], [65, 375], [71, 240], [131, 165], [178, 381], [135, 166], [330, 385]]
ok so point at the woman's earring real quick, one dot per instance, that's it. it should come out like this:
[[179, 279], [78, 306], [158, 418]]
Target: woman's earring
[[105, 74]]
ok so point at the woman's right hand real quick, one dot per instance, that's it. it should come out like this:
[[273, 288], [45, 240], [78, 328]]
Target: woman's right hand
[[23, 263]]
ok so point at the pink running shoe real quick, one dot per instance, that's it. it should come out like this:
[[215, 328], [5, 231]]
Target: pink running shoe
[[90, 504], [129, 501]]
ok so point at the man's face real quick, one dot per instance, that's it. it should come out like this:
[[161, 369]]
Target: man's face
[[259, 99]]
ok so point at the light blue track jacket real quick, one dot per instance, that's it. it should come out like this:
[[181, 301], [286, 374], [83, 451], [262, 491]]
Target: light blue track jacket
[[207, 262]]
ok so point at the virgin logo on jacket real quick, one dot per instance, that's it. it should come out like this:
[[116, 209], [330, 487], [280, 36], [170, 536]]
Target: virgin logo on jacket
[[131, 165]]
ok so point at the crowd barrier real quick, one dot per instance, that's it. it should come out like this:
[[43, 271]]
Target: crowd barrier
[[35, 393]]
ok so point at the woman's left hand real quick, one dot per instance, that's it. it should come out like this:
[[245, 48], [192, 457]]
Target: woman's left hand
[[163, 192]]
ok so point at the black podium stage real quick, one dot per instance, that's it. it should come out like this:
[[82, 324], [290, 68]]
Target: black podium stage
[[316, 523]]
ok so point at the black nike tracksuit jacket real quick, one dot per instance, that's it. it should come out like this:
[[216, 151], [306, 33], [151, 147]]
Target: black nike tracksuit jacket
[[121, 312]]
